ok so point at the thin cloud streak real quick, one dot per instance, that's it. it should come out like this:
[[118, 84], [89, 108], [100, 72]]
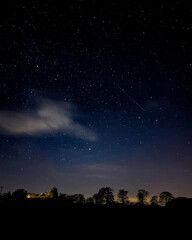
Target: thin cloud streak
[[49, 117]]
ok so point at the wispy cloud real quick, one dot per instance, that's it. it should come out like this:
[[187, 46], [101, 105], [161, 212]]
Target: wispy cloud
[[105, 171], [50, 116]]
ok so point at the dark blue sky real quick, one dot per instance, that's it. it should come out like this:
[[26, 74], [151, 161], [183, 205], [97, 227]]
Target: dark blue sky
[[96, 94]]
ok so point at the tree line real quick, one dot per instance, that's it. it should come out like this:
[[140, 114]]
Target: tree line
[[105, 196]]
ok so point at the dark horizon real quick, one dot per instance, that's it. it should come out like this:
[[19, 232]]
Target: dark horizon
[[104, 196], [116, 199], [96, 94]]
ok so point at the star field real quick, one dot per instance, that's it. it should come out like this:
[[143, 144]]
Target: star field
[[96, 94]]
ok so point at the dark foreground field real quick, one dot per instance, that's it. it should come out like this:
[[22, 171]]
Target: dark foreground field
[[52, 217]]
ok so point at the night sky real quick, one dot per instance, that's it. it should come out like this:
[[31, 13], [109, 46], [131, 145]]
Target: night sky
[[94, 94]]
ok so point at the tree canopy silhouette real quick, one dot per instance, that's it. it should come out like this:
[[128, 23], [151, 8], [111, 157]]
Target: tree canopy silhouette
[[122, 195], [104, 196], [142, 196], [78, 198], [154, 201], [165, 197], [19, 194]]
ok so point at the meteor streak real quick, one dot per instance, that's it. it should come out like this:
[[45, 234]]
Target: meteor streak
[[132, 99]]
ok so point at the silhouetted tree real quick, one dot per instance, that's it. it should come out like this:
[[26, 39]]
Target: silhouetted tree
[[181, 202], [78, 198], [81, 198], [68, 199], [5, 196], [142, 196], [97, 198], [63, 196], [122, 195], [154, 201], [165, 197], [90, 200], [105, 196], [19, 194]]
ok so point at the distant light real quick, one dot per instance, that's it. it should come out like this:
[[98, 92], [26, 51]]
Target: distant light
[[28, 195]]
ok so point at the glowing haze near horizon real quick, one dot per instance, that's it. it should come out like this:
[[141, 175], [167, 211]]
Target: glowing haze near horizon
[[96, 94]]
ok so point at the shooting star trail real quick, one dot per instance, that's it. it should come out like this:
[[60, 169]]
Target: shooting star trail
[[132, 99]]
